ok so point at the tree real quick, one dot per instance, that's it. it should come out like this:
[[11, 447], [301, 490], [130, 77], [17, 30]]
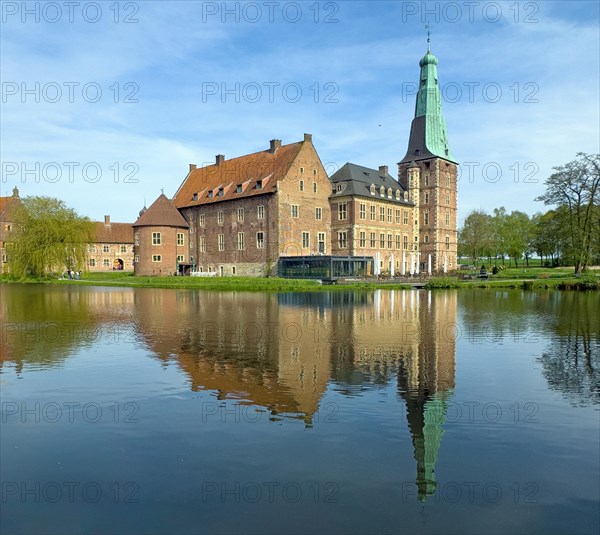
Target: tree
[[475, 236], [49, 237], [575, 187]]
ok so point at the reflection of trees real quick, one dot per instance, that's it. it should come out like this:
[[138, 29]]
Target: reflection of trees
[[44, 324], [567, 323], [571, 361]]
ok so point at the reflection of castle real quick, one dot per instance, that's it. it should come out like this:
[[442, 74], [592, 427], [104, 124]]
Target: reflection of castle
[[277, 351], [411, 334]]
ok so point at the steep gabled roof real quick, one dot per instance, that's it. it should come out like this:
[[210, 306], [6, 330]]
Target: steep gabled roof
[[113, 232], [237, 178], [357, 180], [162, 213], [8, 204]]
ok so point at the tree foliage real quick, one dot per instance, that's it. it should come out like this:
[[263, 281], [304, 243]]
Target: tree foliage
[[574, 189], [49, 237]]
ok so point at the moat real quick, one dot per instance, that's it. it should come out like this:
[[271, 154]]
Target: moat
[[389, 411]]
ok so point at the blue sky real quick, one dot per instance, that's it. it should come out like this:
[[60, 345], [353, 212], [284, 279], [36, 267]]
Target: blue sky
[[138, 92]]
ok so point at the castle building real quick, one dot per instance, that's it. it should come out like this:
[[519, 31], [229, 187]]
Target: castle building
[[429, 172], [241, 216], [8, 208], [113, 248]]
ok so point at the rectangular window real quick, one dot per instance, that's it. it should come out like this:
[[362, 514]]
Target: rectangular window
[[363, 211], [221, 242], [389, 241], [156, 258], [318, 213], [382, 240], [362, 241], [238, 188], [305, 240], [106, 248], [220, 217], [260, 212], [427, 180], [372, 240], [260, 240], [426, 198], [92, 262], [405, 242], [382, 213], [397, 216], [405, 217], [180, 239], [321, 239], [426, 218], [447, 180], [240, 241], [156, 238], [137, 236], [180, 258], [221, 192], [259, 184], [397, 241], [342, 211], [372, 214], [106, 262], [202, 244], [343, 239], [295, 211], [447, 218], [240, 215], [447, 199], [136, 258], [301, 185], [123, 248], [314, 187], [389, 213], [447, 242], [202, 220], [136, 240]]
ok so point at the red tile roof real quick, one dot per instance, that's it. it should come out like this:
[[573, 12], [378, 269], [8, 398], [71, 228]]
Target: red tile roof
[[221, 182], [113, 232], [162, 213]]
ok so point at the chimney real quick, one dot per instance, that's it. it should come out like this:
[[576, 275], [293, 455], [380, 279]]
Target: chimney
[[275, 144], [308, 137], [219, 159], [192, 167], [383, 169], [107, 220]]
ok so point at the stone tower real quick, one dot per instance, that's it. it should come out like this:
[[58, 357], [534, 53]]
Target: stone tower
[[428, 149]]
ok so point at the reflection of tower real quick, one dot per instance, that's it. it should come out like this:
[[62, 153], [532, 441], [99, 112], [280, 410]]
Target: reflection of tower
[[426, 380]]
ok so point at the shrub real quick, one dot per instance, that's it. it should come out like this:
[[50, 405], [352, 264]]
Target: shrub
[[442, 282]]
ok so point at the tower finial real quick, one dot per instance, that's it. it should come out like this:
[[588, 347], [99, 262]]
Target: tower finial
[[427, 26]]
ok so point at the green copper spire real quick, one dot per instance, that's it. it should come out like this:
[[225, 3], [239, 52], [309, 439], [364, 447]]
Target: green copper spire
[[428, 135]]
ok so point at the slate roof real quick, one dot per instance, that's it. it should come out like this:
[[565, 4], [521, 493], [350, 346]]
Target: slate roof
[[219, 182], [357, 180], [113, 232], [162, 213]]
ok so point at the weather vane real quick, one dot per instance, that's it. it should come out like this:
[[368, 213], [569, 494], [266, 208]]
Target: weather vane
[[427, 27]]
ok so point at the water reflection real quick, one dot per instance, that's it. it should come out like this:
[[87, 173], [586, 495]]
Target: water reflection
[[283, 352]]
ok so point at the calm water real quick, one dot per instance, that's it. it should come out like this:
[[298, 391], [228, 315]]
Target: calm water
[[163, 411]]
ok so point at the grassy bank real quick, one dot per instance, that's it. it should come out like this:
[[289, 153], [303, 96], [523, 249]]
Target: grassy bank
[[556, 280]]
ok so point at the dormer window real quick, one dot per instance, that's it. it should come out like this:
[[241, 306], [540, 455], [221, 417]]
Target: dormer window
[[238, 189], [195, 197], [390, 193], [372, 189], [210, 194], [382, 191], [221, 192], [339, 188], [397, 194], [259, 184]]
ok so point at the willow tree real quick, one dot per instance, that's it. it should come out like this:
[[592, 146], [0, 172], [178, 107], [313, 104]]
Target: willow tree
[[575, 187], [49, 237]]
